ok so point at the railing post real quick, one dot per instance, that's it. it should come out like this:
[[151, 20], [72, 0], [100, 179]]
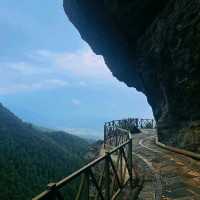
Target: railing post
[[107, 177], [52, 188], [130, 158], [87, 185], [137, 124], [104, 141]]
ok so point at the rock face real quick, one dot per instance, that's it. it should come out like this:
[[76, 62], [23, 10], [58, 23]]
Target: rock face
[[153, 46]]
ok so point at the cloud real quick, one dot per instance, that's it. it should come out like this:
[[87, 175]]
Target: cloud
[[23, 68], [82, 84], [44, 69], [83, 63], [56, 82], [45, 84], [76, 102]]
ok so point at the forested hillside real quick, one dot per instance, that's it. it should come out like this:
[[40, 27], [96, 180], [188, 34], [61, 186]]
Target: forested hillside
[[30, 157]]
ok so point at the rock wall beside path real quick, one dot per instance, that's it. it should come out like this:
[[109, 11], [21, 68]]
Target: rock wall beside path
[[153, 46]]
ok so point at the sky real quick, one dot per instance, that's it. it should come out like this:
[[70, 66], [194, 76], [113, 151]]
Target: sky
[[49, 76]]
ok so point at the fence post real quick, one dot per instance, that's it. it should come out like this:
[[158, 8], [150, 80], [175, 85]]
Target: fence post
[[52, 188], [87, 185], [104, 141], [107, 177], [137, 124], [116, 133], [130, 158]]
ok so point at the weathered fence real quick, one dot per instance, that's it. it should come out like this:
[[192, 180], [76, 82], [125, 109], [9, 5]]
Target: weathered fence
[[105, 177], [112, 134], [132, 123]]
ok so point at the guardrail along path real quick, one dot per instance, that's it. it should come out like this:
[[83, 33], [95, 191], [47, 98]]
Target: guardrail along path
[[132, 166]]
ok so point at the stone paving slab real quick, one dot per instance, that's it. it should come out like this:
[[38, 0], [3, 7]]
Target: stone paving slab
[[179, 175]]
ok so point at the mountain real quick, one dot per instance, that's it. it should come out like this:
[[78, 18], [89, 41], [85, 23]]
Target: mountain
[[90, 135], [31, 157]]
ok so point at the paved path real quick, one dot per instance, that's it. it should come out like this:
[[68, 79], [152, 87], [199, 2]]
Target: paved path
[[167, 175]]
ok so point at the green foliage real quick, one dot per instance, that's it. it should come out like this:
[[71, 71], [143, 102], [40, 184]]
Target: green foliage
[[31, 158]]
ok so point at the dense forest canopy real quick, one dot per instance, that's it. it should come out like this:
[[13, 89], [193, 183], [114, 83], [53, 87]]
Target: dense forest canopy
[[30, 157]]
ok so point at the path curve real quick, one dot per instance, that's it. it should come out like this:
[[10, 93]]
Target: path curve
[[168, 175]]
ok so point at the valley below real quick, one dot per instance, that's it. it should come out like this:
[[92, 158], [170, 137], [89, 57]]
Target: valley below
[[31, 157]]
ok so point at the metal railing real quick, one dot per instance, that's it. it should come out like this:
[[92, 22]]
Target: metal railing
[[131, 124], [105, 177]]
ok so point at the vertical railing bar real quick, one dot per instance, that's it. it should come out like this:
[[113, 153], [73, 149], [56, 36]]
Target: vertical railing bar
[[115, 172], [126, 162], [87, 185], [100, 183], [117, 167], [59, 196], [80, 187], [112, 185], [53, 191], [96, 184], [124, 174], [105, 132], [107, 177], [130, 158], [120, 164]]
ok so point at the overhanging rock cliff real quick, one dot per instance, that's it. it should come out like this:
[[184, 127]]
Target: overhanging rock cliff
[[153, 46]]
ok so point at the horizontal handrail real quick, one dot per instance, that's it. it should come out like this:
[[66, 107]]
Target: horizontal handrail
[[87, 166], [178, 150], [78, 172]]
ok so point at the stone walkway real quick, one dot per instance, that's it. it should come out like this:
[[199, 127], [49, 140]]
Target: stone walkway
[[167, 175]]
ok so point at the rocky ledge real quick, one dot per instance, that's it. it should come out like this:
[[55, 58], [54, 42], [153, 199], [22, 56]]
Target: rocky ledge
[[153, 46]]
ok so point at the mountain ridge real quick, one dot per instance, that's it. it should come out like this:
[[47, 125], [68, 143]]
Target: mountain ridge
[[30, 158]]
